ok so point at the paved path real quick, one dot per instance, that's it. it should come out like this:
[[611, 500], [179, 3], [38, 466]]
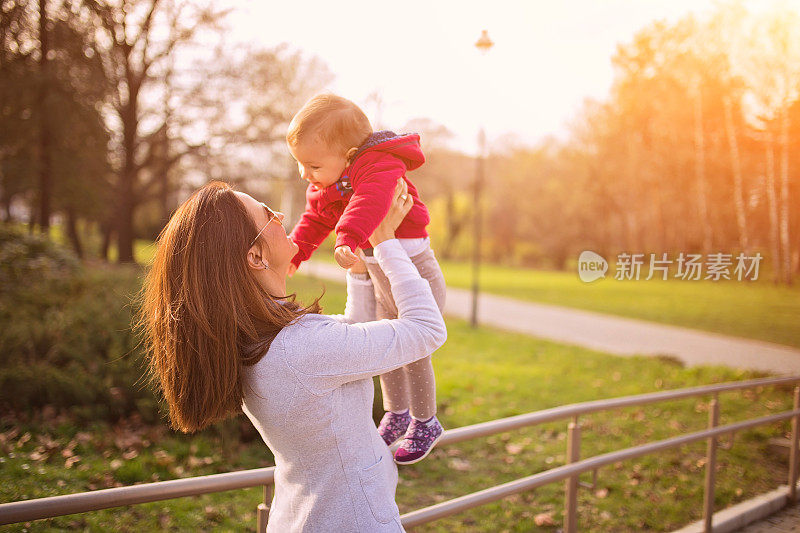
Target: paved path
[[781, 522], [608, 333]]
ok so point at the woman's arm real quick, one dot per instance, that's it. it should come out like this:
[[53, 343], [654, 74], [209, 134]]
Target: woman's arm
[[332, 353], [328, 354], [360, 304]]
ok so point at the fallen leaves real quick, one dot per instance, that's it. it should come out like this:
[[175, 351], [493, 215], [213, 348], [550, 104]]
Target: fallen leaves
[[163, 458], [130, 454], [544, 519], [37, 455], [8, 436], [23, 439], [199, 461], [513, 449], [460, 465]]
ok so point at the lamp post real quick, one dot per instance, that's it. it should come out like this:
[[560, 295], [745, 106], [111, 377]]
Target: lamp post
[[484, 44]]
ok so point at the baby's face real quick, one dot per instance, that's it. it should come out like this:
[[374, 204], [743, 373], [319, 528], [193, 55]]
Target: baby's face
[[319, 165]]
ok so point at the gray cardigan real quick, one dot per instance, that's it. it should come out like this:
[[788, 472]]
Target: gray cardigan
[[310, 397]]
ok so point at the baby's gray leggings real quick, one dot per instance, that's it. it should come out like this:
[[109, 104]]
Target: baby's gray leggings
[[412, 386]]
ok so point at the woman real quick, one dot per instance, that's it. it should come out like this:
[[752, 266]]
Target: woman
[[224, 336]]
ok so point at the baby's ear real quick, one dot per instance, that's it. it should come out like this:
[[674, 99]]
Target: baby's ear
[[350, 153]]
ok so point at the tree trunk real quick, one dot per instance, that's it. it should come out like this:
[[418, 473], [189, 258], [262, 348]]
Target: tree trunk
[[72, 232], [455, 224], [128, 175], [784, 200], [5, 201], [631, 195], [450, 214], [125, 224], [738, 189], [287, 200], [163, 197], [108, 233], [772, 205], [659, 218], [700, 172], [45, 176], [32, 218]]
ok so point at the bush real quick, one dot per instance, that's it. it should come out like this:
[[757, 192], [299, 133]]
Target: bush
[[25, 257], [65, 337]]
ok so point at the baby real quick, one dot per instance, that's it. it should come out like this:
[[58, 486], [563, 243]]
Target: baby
[[352, 173]]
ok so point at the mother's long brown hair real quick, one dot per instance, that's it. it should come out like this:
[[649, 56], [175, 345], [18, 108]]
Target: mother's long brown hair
[[203, 314]]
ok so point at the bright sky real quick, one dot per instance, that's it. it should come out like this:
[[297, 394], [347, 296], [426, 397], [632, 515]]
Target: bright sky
[[420, 56]]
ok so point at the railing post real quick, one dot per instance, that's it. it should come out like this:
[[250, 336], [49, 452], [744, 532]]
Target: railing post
[[571, 484], [711, 466], [262, 513], [793, 466]]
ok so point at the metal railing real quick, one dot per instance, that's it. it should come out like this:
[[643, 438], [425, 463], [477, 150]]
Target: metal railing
[[27, 510]]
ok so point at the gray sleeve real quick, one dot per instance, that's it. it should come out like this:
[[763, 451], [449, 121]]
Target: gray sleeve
[[360, 305], [334, 353]]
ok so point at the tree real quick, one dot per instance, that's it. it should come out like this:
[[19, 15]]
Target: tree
[[18, 88], [45, 170], [54, 149], [771, 64], [136, 40], [262, 89], [446, 177]]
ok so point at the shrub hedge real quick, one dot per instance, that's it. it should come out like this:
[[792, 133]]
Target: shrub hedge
[[65, 336]]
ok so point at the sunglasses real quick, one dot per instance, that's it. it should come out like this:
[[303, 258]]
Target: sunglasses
[[270, 217]]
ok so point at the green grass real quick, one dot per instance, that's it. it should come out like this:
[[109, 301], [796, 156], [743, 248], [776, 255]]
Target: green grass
[[757, 310], [49, 455], [481, 375], [484, 374], [143, 249]]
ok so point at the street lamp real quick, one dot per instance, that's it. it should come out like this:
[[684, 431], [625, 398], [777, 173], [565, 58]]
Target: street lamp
[[483, 44]]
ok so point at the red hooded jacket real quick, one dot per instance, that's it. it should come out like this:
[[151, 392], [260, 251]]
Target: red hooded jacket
[[356, 204]]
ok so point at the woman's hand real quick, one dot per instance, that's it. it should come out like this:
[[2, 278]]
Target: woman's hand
[[401, 205]]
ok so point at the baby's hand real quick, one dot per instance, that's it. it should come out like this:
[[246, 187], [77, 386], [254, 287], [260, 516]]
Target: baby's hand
[[292, 269], [345, 256]]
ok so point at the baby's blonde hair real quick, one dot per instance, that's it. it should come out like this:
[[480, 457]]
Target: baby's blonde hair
[[337, 121]]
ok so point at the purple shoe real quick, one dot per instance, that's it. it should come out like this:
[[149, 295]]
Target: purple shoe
[[393, 426], [420, 438]]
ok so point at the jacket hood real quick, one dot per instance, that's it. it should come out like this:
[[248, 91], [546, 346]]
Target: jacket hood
[[404, 146]]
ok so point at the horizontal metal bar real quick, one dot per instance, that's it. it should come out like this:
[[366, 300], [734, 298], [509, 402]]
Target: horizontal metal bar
[[463, 503], [119, 496], [502, 425], [165, 490]]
